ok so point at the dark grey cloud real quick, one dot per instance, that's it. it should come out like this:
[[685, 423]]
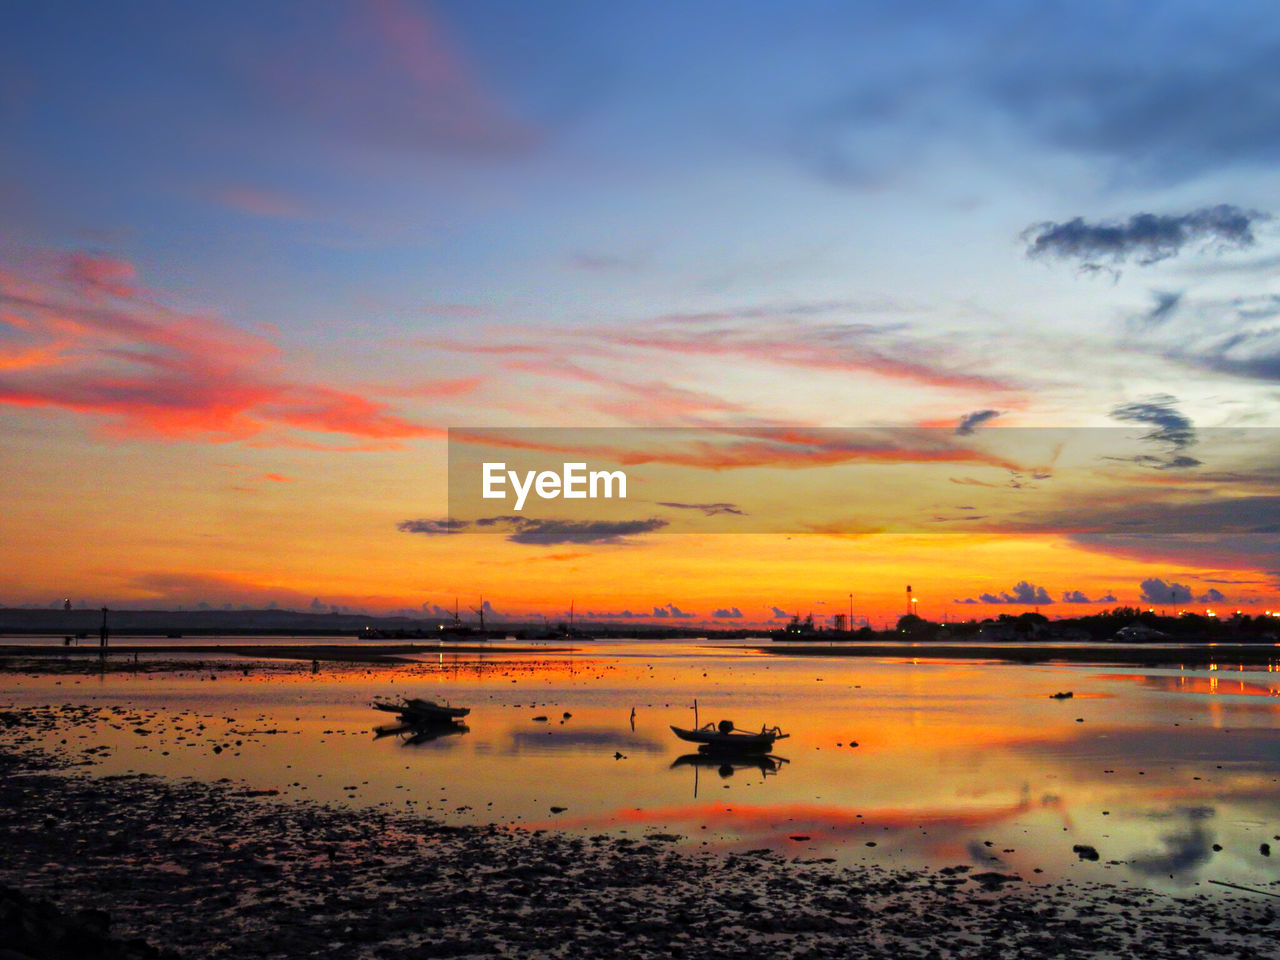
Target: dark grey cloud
[[971, 421], [1171, 428], [582, 531], [543, 532], [1242, 551], [1240, 517], [777, 613], [1139, 93], [1155, 590], [1024, 592], [707, 509], [1145, 238], [432, 527], [1167, 302], [1075, 596], [727, 613], [671, 610]]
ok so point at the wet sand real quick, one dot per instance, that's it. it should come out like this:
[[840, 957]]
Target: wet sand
[[1184, 655], [227, 869]]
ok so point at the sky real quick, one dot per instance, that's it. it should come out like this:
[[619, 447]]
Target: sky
[[257, 260]]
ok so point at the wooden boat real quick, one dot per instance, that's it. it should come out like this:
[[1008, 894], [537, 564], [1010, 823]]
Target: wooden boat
[[417, 710], [725, 736]]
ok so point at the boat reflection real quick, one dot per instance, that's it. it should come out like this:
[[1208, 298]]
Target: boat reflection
[[415, 734], [726, 764]]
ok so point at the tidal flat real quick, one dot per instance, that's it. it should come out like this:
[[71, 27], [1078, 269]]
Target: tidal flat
[[220, 806]]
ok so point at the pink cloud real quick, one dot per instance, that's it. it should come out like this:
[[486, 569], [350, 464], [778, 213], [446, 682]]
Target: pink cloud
[[433, 389], [644, 402], [151, 371], [390, 73], [99, 275], [847, 350], [258, 202]]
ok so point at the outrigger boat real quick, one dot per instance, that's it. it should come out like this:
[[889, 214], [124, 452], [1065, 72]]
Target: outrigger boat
[[418, 711], [725, 736]]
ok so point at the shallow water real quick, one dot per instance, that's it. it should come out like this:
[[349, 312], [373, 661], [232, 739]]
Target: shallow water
[[955, 762]]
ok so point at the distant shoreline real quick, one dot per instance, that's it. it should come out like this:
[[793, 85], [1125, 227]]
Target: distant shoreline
[[350, 653], [1191, 654], [1172, 655]]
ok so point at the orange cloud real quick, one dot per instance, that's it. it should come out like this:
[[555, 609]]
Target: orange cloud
[[784, 447], [94, 342]]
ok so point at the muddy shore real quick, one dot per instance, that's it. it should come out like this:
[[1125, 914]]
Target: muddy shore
[[221, 870]]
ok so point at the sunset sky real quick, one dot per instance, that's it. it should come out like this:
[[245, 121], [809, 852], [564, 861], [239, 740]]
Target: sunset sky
[[256, 261]]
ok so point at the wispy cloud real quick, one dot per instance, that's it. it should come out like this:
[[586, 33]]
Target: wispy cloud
[[706, 509], [258, 202], [94, 341], [725, 448], [392, 74]]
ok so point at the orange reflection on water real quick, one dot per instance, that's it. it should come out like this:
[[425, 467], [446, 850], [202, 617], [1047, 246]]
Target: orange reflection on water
[[763, 820], [1183, 683]]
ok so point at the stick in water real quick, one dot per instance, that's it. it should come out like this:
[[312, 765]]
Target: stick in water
[[1265, 893]]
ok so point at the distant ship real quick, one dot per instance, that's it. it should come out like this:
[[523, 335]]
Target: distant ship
[[798, 629], [563, 631]]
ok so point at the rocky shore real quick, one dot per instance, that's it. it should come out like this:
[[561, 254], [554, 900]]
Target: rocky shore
[[217, 870]]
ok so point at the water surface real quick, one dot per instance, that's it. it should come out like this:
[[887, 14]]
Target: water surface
[[1172, 775]]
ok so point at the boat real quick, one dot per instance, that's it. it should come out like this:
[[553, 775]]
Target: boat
[[415, 710], [724, 736]]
